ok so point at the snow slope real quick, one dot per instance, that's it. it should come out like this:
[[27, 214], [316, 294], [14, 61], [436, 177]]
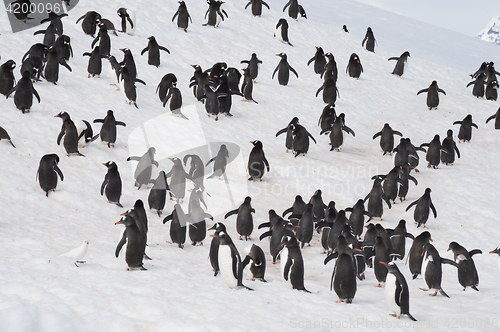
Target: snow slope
[[491, 31], [41, 292]]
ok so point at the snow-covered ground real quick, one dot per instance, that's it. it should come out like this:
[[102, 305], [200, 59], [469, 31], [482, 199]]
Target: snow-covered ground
[[40, 291]]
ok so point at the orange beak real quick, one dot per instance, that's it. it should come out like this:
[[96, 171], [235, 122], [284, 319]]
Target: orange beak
[[118, 222]]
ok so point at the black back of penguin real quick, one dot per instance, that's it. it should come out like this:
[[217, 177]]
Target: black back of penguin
[[369, 40], [7, 80], [112, 184], [183, 16], [47, 173]]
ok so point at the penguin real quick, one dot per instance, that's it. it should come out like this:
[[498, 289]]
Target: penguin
[[89, 23], [318, 206], [282, 31], [178, 179], [153, 50], [336, 229], [112, 184], [23, 98], [63, 48], [298, 207], [294, 9], [70, 134], [257, 6], [354, 67], [213, 252], [398, 237], [432, 95], [336, 132], [319, 61], [108, 129], [47, 173], [306, 226], [225, 99], [244, 218], [292, 266], [357, 217], [465, 131], [197, 216], [257, 161], [233, 80], [167, 81], [7, 81], [344, 28], [182, 15], [397, 293], [34, 65], [382, 255], [127, 20], [402, 62], [289, 133], [423, 207], [344, 278], [175, 97], [114, 68], [495, 116], [135, 244], [158, 193], [369, 241], [277, 226], [413, 159], [491, 73], [258, 262], [433, 155], [109, 26], [178, 226], [387, 138], [415, 255], [331, 70], [330, 91], [405, 178], [247, 86], [327, 117], [24, 8], [129, 62], [492, 91], [467, 273], [196, 171], [51, 73], [482, 69], [253, 66], [497, 251], [212, 104], [391, 183], [385, 236], [95, 63], [199, 81], [49, 35], [284, 70], [37, 49], [448, 158], [369, 40], [104, 41], [139, 214], [432, 269], [78, 253], [220, 162], [402, 156], [376, 195], [478, 88], [142, 174], [300, 143], [5, 136], [357, 254], [127, 84], [215, 13]]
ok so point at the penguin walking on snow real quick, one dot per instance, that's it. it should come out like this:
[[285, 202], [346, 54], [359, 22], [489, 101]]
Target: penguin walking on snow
[[478, 88], [153, 50], [257, 260], [283, 70], [135, 243], [244, 218], [300, 143], [95, 62], [432, 269], [369, 40], [247, 86], [375, 197], [127, 85], [108, 129], [257, 6], [112, 184], [215, 13], [294, 9], [127, 21], [51, 72], [177, 226], [282, 31], [167, 81], [7, 80], [337, 132], [331, 70], [47, 173], [220, 162], [467, 273], [398, 237], [387, 138], [330, 91], [158, 193], [213, 252], [492, 91], [448, 157], [415, 255], [423, 207], [433, 155], [354, 67], [432, 95], [327, 117], [142, 174], [465, 131], [174, 99], [178, 179], [23, 98], [104, 40], [397, 292], [55, 19], [401, 63], [253, 66], [289, 133], [183, 16], [343, 277], [257, 161], [319, 61], [292, 264], [70, 135], [49, 37], [90, 21], [497, 251]]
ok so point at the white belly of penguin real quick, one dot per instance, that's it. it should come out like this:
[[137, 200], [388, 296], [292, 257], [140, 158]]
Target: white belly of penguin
[[283, 260], [425, 262], [390, 291], [277, 33], [226, 266]]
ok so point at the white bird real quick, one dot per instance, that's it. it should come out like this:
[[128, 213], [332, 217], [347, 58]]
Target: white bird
[[78, 253]]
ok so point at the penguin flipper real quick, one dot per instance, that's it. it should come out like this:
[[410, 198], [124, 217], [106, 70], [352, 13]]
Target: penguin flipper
[[286, 270], [386, 199], [457, 122], [265, 234], [293, 70], [36, 95], [275, 70], [282, 131], [442, 91], [120, 123], [491, 118], [104, 183], [58, 171], [140, 81], [309, 134], [328, 258], [10, 91], [230, 213], [411, 317], [393, 58], [377, 135], [409, 235], [265, 161], [311, 60], [287, 211], [96, 39], [81, 18], [395, 132], [413, 203], [39, 32], [121, 243], [145, 50], [367, 196], [264, 224], [319, 90], [63, 62], [423, 90], [98, 121], [413, 179], [175, 15], [474, 125], [167, 218], [348, 130], [265, 4], [208, 162], [245, 261], [433, 210], [474, 252], [164, 49], [449, 261], [61, 134], [134, 158]]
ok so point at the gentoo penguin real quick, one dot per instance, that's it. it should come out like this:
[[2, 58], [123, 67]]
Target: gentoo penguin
[[127, 85], [63, 48], [369, 241], [167, 81], [220, 162], [199, 80], [398, 237], [405, 178], [330, 91], [382, 255], [300, 143], [178, 226], [495, 116], [482, 69], [401, 63], [108, 129], [497, 251], [175, 97], [153, 50], [432, 95], [253, 66], [70, 134], [415, 255], [422, 210], [114, 70], [109, 26], [448, 157], [397, 293], [197, 216], [401, 157], [336, 229], [34, 65], [127, 20], [244, 218], [283, 70], [292, 265], [5, 136], [276, 231], [331, 70], [298, 207], [465, 131], [387, 138], [375, 197], [357, 217], [257, 162], [213, 253], [344, 278], [78, 253], [138, 213], [23, 98], [327, 117], [281, 31], [158, 194], [413, 158], [104, 41], [433, 155], [215, 13], [294, 9], [491, 73], [51, 72], [467, 273], [225, 93], [182, 16], [306, 226], [7, 80], [178, 179], [142, 174], [95, 63], [135, 243], [47, 173], [336, 132], [319, 61], [129, 62], [478, 88], [344, 27], [196, 171], [112, 184], [258, 262], [211, 99], [432, 269], [289, 133], [230, 264], [90, 21], [492, 91], [318, 206], [37, 49], [354, 67], [49, 35], [391, 183], [233, 79], [257, 6], [247, 86], [369, 40]]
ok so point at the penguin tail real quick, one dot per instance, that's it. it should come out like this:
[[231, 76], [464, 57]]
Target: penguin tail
[[118, 203], [305, 290], [443, 293], [411, 317], [12, 143], [255, 101], [135, 104], [94, 138], [248, 288], [474, 288]]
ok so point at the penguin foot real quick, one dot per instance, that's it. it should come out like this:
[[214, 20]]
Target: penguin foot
[[435, 293], [394, 315], [339, 301], [424, 289]]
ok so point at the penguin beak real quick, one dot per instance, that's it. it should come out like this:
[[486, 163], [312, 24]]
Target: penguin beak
[[213, 235], [493, 252], [56, 116], [119, 222], [277, 55], [297, 226], [252, 142], [124, 213], [383, 263], [104, 164]]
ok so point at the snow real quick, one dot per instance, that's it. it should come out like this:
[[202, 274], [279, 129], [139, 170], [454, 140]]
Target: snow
[[40, 291], [491, 32]]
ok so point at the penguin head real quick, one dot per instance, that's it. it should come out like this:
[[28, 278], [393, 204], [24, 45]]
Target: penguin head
[[125, 50], [282, 55], [320, 50], [402, 223], [152, 38], [257, 144], [434, 83], [453, 246], [369, 29], [181, 3], [370, 227], [496, 251], [406, 53], [427, 191], [63, 115], [139, 204], [11, 64], [248, 199], [26, 74], [126, 220], [426, 236], [449, 133], [110, 165]]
